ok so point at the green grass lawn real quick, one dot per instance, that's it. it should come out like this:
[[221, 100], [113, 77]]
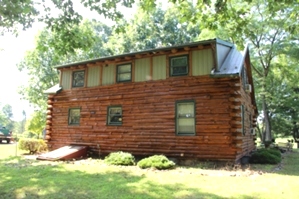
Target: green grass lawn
[[28, 178]]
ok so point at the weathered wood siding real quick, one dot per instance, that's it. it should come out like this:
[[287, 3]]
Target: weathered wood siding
[[66, 79], [246, 142], [159, 67], [202, 62], [108, 74], [93, 76], [142, 70], [149, 118]]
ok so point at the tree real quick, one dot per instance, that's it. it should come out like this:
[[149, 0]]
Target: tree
[[155, 28], [55, 13], [16, 12], [7, 110], [36, 123], [51, 50], [268, 26], [214, 13], [283, 104], [5, 117]]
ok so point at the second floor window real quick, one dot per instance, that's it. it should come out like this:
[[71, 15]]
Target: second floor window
[[179, 66], [78, 78], [124, 73]]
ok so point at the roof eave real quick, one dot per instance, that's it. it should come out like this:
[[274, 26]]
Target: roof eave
[[210, 41], [222, 75]]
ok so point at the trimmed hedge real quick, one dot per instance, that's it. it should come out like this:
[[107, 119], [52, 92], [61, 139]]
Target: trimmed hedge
[[32, 145], [120, 158], [157, 161], [266, 156]]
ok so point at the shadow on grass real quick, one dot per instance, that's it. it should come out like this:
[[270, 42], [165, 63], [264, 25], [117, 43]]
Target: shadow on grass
[[290, 163], [22, 178], [25, 178]]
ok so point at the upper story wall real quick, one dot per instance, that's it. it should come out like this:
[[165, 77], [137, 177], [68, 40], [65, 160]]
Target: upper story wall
[[158, 66]]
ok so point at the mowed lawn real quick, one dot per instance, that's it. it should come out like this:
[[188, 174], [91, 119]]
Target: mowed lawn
[[28, 178]]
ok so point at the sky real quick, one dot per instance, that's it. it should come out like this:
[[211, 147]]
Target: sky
[[13, 50]]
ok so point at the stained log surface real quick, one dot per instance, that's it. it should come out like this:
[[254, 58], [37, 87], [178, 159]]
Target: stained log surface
[[149, 118]]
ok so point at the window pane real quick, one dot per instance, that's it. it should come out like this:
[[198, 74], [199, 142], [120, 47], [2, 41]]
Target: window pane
[[78, 79], [124, 68], [179, 70], [186, 125], [114, 116], [186, 109], [115, 110], [124, 77], [179, 61], [185, 118], [74, 116], [179, 65]]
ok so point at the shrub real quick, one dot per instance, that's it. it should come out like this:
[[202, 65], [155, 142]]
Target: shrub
[[266, 156], [156, 161], [32, 145], [120, 158]]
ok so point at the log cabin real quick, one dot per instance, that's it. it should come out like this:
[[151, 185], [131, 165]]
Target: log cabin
[[194, 100]]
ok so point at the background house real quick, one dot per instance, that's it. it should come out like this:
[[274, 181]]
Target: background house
[[194, 100]]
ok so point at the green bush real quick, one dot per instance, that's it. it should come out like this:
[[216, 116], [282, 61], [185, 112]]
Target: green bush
[[266, 156], [156, 161], [120, 158], [32, 145]]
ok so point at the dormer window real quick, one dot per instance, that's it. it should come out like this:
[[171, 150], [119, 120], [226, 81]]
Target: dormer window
[[124, 73], [78, 79], [179, 65]]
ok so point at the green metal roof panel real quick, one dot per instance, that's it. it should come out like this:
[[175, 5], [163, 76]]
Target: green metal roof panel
[[205, 42]]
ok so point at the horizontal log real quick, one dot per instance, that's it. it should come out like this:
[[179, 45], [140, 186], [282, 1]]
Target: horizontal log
[[148, 120], [48, 137]]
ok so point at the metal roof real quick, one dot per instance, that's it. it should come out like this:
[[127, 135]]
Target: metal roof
[[232, 65], [193, 44], [53, 90]]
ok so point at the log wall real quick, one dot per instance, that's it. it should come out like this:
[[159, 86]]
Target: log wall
[[149, 118]]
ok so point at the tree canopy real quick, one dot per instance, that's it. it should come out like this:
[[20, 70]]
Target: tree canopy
[[269, 27], [144, 31]]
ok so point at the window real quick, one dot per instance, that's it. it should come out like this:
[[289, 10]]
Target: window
[[114, 115], [74, 116], [244, 76], [185, 117], [78, 78], [124, 73], [243, 118], [179, 66]]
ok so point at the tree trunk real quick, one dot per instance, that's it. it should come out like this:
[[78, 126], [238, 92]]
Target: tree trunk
[[296, 133], [267, 124]]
